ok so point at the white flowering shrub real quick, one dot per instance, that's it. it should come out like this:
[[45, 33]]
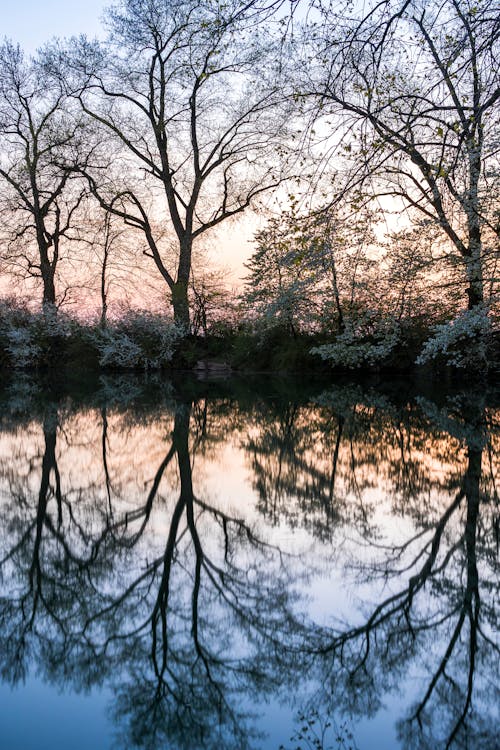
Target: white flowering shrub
[[462, 341], [367, 340], [21, 345], [27, 335], [116, 348], [290, 307], [55, 324], [138, 340], [48, 337]]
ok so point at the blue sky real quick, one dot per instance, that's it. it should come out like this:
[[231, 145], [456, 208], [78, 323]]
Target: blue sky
[[33, 22]]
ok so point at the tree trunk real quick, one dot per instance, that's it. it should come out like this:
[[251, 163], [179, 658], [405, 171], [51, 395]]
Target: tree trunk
[[180, 304], [49, 289], [474, 270], [474, 259], [336, 296], [47, 269], [104, 291], [180, 300]]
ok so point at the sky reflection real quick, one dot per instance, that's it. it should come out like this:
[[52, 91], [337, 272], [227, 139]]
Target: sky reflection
[[204, 569]]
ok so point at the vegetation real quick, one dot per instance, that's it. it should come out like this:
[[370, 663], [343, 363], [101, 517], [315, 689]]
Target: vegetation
[[375, 133]]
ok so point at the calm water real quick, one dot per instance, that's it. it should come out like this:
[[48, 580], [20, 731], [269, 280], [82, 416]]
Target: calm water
[[220, 565]]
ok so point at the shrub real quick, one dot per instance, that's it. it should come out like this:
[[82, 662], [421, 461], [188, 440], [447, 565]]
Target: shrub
[[138, 340], [28, 336], [462, 342], [367, 340], [49, 337]]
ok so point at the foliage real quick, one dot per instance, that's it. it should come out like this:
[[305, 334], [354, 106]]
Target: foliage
[[461, 342], [215, 309], [309, 270], [21, 346], [415, 88], [28, 336], [137, 340], [143, 340], [190, 112], [367, 340], [278, 290]]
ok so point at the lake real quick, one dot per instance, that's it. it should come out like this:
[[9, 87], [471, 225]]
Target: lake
[[248, 563]]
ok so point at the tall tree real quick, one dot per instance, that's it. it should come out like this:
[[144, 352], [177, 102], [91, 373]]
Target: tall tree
[[183, 89], [41, 140], [418, 82]]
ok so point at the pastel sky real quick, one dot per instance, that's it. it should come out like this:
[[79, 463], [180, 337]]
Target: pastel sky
[[33, 22]]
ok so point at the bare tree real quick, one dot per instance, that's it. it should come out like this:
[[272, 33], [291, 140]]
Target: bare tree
[[183, 90], [41, 139], [214, 305], [106, 237]]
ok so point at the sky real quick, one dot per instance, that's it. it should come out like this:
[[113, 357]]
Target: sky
[[34, 22]]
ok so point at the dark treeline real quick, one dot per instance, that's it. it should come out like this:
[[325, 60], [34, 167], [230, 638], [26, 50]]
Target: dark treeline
[[367, 140]]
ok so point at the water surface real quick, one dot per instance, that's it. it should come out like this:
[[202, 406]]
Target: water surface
[[227, 565]]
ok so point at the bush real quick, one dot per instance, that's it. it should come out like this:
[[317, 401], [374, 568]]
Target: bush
[[138, 340], [461, 342], [29, 337], [48, 337], [366, 340]]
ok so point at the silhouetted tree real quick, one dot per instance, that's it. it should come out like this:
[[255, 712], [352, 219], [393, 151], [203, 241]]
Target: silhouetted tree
[[182, 89], [417, 87], [42, 139]]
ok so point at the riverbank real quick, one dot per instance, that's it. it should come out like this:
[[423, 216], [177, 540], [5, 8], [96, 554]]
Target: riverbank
[[141, 341]]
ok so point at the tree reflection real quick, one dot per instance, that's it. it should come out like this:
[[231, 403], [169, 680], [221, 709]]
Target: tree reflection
[[441, 612], [185, 631], [121, 567], [294, 459], [195, 591], [314, 465], [42, 568]]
